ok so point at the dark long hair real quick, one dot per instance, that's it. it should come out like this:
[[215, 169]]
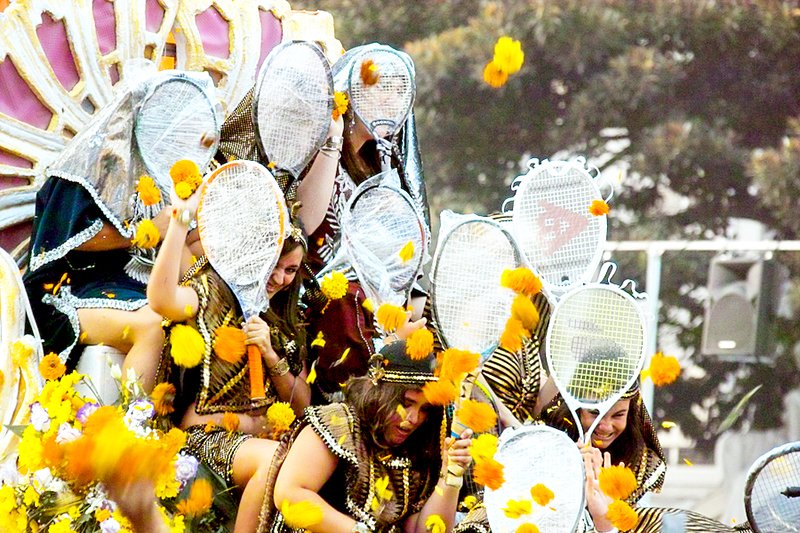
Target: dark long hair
[[284, 311], [374, 405]]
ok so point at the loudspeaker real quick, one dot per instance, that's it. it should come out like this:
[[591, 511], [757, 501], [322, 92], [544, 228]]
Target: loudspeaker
[[744, 293]]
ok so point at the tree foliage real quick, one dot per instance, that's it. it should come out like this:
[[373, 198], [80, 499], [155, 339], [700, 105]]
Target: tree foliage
[[696, 102]]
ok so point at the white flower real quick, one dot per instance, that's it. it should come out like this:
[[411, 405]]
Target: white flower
[[109, 525], [116, 371], [40, 419], [66, 433], [139, 412], [42, 479], [9, 475], [185, 468]]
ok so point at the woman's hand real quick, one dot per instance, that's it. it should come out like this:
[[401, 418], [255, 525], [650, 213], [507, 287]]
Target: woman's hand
[[596, 500], [257, 332], [408, 326], [456, 453]]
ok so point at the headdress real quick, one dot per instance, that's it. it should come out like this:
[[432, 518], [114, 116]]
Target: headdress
[[295, 229], [393, 365]]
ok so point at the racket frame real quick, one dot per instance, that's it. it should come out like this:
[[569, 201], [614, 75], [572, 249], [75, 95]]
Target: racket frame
[[752, 476]]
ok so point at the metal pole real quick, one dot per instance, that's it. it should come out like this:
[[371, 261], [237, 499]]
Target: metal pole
[[653, 287]]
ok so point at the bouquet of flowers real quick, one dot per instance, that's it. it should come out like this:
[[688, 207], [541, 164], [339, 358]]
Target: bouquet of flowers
[[73, 446]]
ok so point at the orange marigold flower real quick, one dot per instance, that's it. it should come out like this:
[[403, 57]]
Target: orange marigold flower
[[52, 452], [369, 72], [147, 235], [301, 515], [209, 427], [163, 396], [186, 346], [199, 501], [390, 316], [483, 447], [229, 343], [340, 104], [489, 473], [622, 515], [51, 367], [664, 369], [477, 416], [599, 208], [456, 363], [185, 170], [149, 192], [183, 190], [522, 281], [419, 344], [523, 310], [2, 379], [440, 392], [617, 482], [494, 75], [541, 494], [512, 336], [230, 421], [527, 528]]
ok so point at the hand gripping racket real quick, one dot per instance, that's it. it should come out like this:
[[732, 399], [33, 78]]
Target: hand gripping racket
[[242, 220], [772, 492], [595, 347], [293, 105], [382, 91]]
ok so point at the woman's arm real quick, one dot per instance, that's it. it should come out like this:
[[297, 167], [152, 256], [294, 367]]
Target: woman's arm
[[316, 189], [164, 293], [507, 418], [308, 465], [444, 500]]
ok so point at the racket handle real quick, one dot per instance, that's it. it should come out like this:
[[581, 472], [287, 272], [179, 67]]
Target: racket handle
[[256, 368]]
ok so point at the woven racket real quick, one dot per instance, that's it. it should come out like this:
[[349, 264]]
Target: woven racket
[[382, 92], [595, 347], [552, 223], [293, 105], [772, 491], [242, 220], [179, 119], [534, 455]]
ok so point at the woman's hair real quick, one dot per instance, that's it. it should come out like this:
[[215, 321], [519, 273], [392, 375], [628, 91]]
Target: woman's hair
[[283, 311], [374, 404]]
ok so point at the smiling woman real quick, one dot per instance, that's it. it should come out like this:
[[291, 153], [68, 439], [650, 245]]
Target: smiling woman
[[379, 460]]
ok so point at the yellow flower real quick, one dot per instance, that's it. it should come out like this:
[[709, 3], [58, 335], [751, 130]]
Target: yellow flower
[[541, 494], [187, 346], [469, 502], [199, 501], [435, 524], [312, 374], [599, 208], [489, 473], [369, 72], [51, 367], [163, 396], [407, 252], [419, 344], [147, 234], [186, 171], [30, 497], [229, 343], [494, 75], [527, 527], [440, 392], [149, 192], [523, 310], [319, 340], [340, 103], [483, 447], [664, 369], [516, 508], [62, 525], [617, 482], [280, 417], [382, 490], [21, 353], [301, 515], [183, 190], [230, 421], [622, 516], [508, 55], [476, 415], [368, 305], [455, 363], [522, 281], [390, 316], [334, 285], [512, 336]]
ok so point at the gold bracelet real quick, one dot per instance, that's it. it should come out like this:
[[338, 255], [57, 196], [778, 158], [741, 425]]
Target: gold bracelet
[[281, 368]]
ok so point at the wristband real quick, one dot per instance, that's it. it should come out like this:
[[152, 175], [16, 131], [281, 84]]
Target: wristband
[[333, 143], [183, 216], [281, 368]]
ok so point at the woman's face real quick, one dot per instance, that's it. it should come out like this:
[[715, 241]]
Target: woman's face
[[405, 421], [284, 272], [611, 426]]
